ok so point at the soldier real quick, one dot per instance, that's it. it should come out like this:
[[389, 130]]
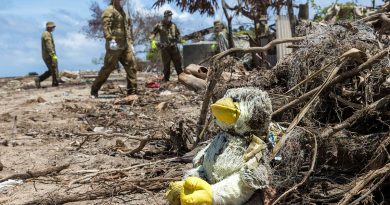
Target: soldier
[[222, 43], [221, 36], [119, 47], [169, 37], [49, 56]]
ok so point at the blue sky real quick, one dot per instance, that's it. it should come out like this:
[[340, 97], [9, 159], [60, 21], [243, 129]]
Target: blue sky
[[22, 23]]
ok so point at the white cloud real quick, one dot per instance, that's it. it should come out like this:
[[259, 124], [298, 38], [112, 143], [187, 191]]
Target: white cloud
[[75, 51], [76, 41]]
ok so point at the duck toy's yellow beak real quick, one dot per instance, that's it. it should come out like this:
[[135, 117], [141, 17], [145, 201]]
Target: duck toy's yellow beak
[[226, 111]]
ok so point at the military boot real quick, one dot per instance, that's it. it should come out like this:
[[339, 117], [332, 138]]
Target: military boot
[[37, 82], [94, 94], [132, 92]]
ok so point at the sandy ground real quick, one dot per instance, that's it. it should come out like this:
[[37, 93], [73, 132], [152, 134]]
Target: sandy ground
[[38, 130]]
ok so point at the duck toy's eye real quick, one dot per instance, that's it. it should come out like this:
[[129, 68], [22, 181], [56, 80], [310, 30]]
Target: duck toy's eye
[[235, 99]]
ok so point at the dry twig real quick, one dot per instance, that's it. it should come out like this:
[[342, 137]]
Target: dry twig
[[35, 174], [362, 182], [356, 116], [142, 144], [340, 78], [89, 176], [313, 162]]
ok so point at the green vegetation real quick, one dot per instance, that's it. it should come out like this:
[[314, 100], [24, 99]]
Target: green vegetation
[[346, 11]]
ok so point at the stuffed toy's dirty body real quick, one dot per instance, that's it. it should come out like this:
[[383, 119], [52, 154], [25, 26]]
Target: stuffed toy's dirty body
[[235, 164]]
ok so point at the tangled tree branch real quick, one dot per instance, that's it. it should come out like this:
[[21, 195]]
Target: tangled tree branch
[[361, 183]]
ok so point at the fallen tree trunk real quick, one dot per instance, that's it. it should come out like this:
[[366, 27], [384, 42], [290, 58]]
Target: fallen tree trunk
[[35, 174], [197, 71], [192, 82]]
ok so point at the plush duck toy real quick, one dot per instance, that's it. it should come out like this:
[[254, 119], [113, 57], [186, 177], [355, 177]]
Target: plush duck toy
[[234, 165]]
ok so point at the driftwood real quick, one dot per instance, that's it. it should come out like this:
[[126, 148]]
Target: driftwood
[[35, 174]]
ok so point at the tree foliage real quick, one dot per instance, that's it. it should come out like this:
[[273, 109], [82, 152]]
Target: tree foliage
[[203, 6], [94, 27], [141, 23]]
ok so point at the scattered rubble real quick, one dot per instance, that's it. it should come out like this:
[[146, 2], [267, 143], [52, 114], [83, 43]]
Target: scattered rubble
[[332, 94], [333, 87]]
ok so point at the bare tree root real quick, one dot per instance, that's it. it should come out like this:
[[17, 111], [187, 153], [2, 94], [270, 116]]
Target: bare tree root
[[35, 174], [362, 183], [143, 140], [313, 162]]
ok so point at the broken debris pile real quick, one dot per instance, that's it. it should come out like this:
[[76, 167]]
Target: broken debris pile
[[338, 80], [323, 49]]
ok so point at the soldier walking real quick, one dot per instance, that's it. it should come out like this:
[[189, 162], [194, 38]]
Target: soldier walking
[[119, 48], [49, 56], [169, 37]]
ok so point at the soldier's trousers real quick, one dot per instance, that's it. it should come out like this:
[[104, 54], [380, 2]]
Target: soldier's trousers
[[127, 59], [52, 71], [169, 54]]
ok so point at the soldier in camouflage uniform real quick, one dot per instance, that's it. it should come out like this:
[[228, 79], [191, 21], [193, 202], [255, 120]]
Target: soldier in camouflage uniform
[[169, 37], [119, 47], [49, 56], [221, 36]]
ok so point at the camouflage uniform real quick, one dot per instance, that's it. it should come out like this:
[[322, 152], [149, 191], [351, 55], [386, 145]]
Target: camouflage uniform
[[169, 37], [221, 36], [116, 27], [48, 51]]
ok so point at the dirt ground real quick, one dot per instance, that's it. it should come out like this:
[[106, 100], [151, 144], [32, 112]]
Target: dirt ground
[[41, 128]]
